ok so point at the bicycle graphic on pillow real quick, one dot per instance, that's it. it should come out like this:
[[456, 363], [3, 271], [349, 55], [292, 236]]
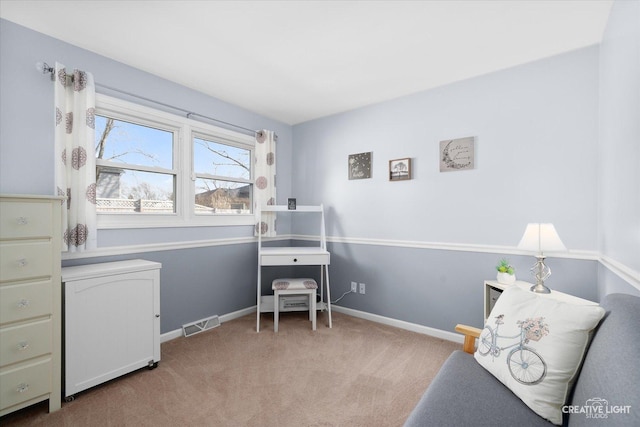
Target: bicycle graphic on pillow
[[525, 364]]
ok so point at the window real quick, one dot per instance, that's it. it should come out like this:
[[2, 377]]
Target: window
[[134, 167], [155, 169], [222, 176]]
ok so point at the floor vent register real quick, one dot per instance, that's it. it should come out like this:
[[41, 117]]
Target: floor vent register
[[200, 326]]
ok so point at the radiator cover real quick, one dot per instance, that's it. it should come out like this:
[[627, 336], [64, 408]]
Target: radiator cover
[[111, 321]]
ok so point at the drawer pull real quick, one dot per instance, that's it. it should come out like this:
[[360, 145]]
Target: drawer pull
[[295, 260], [23, 345], [23, 303], [22, 387], [22, 220], [22, 262]]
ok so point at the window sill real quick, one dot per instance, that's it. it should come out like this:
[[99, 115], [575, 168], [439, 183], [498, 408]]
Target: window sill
[[173, 221]]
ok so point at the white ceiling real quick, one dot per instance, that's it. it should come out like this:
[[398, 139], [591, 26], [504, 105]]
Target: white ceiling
[[298, 60]]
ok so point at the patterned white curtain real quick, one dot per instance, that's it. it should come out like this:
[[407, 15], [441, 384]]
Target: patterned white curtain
[[75, 161], [265, 185]]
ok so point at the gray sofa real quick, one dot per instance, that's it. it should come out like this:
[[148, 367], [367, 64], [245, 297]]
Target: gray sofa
[[463, 393]]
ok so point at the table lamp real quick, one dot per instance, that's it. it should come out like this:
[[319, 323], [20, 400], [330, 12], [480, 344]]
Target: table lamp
[[540, 238]]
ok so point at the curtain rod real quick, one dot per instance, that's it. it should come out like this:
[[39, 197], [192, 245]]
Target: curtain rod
[[45, 68]]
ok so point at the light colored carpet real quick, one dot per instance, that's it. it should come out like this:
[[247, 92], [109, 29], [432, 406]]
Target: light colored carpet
[[359, 373]]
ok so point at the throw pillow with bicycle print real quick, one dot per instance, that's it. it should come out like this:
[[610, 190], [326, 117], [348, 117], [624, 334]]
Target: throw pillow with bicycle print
[[534, 344], [525, 365]]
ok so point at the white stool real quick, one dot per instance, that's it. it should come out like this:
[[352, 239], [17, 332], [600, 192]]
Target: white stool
[[294, 287]]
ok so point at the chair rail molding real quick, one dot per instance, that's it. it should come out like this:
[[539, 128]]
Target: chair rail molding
[[624, 272]]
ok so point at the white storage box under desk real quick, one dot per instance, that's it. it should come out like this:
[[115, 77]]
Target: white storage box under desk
[[111, 321]]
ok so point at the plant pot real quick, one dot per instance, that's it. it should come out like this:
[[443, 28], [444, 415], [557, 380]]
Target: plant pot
[[506, 278]]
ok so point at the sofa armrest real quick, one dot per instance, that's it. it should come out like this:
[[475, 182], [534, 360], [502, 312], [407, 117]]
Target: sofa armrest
[[470, 334]]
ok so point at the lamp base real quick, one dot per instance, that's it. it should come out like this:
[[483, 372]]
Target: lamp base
[[540, 289], [541, 272]]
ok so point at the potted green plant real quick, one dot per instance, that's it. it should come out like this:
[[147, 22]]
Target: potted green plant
[[506, 272]]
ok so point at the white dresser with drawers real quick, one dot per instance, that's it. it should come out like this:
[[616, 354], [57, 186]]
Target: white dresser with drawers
[[30, 301]]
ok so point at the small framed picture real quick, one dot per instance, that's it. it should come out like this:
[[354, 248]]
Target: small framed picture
[[291, 204], [457, 154], [400, 169], [360, 166]]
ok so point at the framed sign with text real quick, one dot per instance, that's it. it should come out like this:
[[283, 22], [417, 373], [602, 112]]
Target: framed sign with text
[[360, 166], [457, 154]]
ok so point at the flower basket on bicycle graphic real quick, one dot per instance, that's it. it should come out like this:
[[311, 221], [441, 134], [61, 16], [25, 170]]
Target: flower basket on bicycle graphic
[[534, 328]]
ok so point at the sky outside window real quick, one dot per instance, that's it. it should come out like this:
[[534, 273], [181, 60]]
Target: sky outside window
[[137, 145], [213, 158]]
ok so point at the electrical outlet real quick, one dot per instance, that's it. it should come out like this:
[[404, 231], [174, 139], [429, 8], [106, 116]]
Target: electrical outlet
[[354, 287], [362, 285]]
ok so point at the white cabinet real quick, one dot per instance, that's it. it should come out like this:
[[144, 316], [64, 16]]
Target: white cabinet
[[493, 289], [111, 321], [30, 306]]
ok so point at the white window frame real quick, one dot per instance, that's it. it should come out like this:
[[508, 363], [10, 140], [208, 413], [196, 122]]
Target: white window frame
[[184, 130], [208, 136]]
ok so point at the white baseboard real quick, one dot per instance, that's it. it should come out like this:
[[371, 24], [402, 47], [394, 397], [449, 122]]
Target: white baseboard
[[171, 335], [413, 327], [238, 313]]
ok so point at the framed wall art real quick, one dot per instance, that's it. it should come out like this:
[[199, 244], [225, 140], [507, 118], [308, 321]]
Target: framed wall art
[[400, 169], [360, 165], [457, 154]]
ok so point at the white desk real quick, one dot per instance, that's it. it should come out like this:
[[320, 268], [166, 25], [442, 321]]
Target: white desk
[[304, 255], [294, 256]]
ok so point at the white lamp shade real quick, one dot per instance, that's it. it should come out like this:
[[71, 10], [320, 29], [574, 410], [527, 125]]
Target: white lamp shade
[[541, 238]]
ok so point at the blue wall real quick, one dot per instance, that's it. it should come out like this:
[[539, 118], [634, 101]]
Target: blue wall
[[619, 142], [536, 155], [437, 288]]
